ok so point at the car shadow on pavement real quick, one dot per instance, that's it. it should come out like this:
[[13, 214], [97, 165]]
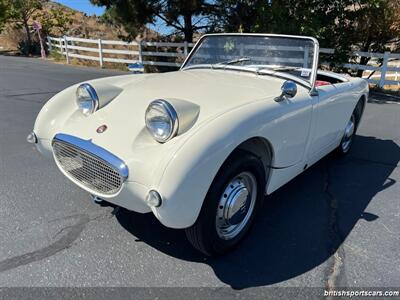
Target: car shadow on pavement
[[301, 225]]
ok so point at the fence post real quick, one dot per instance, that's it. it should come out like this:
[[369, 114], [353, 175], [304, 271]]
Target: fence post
[[61, 45], [72, 44], [100, 53], [140, 52], [49, 45], [384, 69], [186, 49], [66, 49]]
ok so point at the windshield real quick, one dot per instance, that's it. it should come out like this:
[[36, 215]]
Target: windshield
[[265, 54]]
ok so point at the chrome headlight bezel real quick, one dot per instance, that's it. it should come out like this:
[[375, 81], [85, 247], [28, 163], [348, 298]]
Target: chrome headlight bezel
[[87, 104], [169, 111]]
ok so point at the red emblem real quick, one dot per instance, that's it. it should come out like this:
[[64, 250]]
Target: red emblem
[[101, 129]]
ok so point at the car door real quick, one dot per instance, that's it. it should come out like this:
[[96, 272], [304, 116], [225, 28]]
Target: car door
[[291, 130], [331, 112], [290, 137]]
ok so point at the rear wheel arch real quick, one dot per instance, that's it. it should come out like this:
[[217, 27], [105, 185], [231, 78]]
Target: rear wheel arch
[[359, 109], [351, 127]]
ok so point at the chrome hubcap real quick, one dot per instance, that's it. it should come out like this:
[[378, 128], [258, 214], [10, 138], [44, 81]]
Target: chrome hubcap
[[236, 205], [348, 134]]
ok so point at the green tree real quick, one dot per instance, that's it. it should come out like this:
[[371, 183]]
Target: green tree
[[4, 12], [382, 27], [239, 16], [185, 16], [321, 19], [55, 21], [326, 20], [365, 25], [20, 13]]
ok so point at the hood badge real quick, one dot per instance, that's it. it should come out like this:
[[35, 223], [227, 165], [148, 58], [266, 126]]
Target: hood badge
[[101, 129]]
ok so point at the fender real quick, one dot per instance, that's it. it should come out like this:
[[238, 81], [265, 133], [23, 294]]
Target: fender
[[189, 174], [59, 109]]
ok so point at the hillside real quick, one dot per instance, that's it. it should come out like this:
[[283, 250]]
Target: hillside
[[92, 26], [82, 26]]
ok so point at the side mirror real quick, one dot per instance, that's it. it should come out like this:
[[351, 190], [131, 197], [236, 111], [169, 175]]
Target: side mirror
[[289, 90]]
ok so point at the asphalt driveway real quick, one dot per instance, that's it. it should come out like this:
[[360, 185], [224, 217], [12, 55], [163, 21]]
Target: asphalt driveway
[[338, 224]]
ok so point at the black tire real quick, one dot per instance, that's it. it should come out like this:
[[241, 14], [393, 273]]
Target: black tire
[[203, 234]]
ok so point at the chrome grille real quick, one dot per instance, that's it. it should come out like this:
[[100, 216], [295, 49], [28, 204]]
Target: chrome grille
[[90, 170]]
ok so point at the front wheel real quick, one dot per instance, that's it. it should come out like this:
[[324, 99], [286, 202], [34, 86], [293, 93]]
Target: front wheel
[[230, 205]]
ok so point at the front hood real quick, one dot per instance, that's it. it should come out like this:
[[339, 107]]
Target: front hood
[[213, 92]]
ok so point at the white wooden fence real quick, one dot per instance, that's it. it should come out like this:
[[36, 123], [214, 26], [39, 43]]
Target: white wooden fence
[[68, 47], [387, 69], [175, 53]]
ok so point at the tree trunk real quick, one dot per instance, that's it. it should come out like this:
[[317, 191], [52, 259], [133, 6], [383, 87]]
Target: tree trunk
[[28, 35], [364, 60], [188, 31]]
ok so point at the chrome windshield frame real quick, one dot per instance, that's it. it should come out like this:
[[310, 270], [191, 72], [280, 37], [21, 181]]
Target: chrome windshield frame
[[313, 77]]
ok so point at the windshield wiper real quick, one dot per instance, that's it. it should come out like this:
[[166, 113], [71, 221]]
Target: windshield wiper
[[232, 62], [278, 68]]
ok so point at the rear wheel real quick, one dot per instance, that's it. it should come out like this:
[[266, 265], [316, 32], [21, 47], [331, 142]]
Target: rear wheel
[[348, 136], [230, 205], [351, 129]]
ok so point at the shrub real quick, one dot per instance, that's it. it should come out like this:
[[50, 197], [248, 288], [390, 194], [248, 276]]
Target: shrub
[[57, 56], [25, 49]]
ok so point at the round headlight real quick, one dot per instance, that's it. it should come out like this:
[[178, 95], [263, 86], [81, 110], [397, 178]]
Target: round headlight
[[161, 120], [86, 99]]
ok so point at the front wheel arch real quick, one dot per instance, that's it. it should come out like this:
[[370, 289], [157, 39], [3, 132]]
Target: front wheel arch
[[203, 234], [187, 179], [262, 149], [257, 146]]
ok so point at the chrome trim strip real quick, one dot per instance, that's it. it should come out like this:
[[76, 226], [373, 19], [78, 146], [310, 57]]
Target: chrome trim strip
[[313, 78], [101, 153], [254, 71]]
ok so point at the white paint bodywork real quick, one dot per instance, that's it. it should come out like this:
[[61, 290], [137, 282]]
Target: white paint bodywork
[[220, 109]]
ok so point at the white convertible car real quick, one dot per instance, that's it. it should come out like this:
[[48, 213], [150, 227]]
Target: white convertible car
[[202, 147]]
